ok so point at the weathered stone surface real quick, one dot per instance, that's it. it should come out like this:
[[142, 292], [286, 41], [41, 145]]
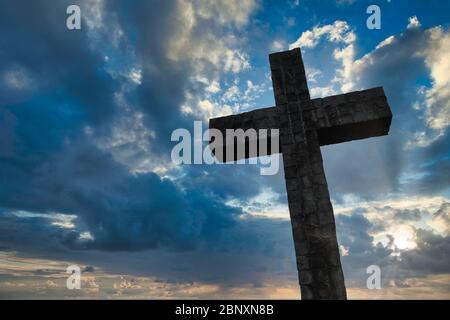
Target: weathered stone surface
[[346, 117], [304, 126]]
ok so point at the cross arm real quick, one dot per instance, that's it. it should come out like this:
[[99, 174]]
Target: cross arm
[[256, 120], [265, 118], [340, 118], [352, 116]]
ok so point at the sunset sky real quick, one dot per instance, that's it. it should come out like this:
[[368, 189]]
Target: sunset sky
[[86, 175]]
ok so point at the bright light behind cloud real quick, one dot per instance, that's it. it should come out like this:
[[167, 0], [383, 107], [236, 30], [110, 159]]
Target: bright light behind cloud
[[404, 237]]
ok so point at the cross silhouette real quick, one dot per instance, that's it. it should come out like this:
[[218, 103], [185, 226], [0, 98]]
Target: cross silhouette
[[305, 125]]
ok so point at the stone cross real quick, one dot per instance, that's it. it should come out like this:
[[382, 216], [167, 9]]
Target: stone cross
[[305, 125]]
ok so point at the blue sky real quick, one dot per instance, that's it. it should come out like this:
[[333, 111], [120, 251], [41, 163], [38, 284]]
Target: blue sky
[[85, 171]]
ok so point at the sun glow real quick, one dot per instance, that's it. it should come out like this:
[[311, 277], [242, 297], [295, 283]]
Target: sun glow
[[404, 238]]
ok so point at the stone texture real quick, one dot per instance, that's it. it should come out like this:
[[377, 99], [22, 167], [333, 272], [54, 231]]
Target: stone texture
[[304, 126]]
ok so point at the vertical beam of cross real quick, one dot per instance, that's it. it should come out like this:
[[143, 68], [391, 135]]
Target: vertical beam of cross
[[304, 126], [312, 218]]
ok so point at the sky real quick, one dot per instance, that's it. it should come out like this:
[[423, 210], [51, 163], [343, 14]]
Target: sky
[[86, 176]]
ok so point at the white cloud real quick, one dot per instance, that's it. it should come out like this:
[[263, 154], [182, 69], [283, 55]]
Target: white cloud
[[17, 79], [437, 58], [264, 204], [423, 139], [233, 11], [98, 24], [385, 42], [202, 46], [213, 87], [320, 92], [254, 91], [211, 109], [435, 99], [312, 74], [440, 221], [343, 251], [343, 76], [93, 13], [343, 36], [232, 94], [86, 236], [413, 22], [135, 76], [396, 219], [129, 140], [205, 108], [339, 32], [432, 45], [235, 61], [277, 45], [210, 86], [214, 53]]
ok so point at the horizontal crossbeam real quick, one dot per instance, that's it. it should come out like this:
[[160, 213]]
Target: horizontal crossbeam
[[339, 118], [352, 116], [259, 119]]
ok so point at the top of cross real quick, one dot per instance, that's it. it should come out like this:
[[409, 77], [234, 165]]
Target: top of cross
[[339, 118]]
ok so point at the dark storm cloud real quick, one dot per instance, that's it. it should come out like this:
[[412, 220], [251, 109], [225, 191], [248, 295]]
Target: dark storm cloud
[[436, 177], [31, 234], [432, 163], [88, 269], [353, 235], [161, 93], [50, 97], [245, 254], [430, 257], [38, 50], [121, 211], [228, 181], [408, 214], [47, 163]]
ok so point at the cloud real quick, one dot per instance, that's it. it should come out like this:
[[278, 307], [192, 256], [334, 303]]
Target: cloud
[[397, 63], [17, 79], [91, 147], [265, 253], [345, 2], [117, 208], [406, 56], [377, 235], [339, 32], [277, 45], [413, 22], [235, 12], [441, 219], [437, 98]]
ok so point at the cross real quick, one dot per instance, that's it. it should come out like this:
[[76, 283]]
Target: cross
[[305, 125]]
